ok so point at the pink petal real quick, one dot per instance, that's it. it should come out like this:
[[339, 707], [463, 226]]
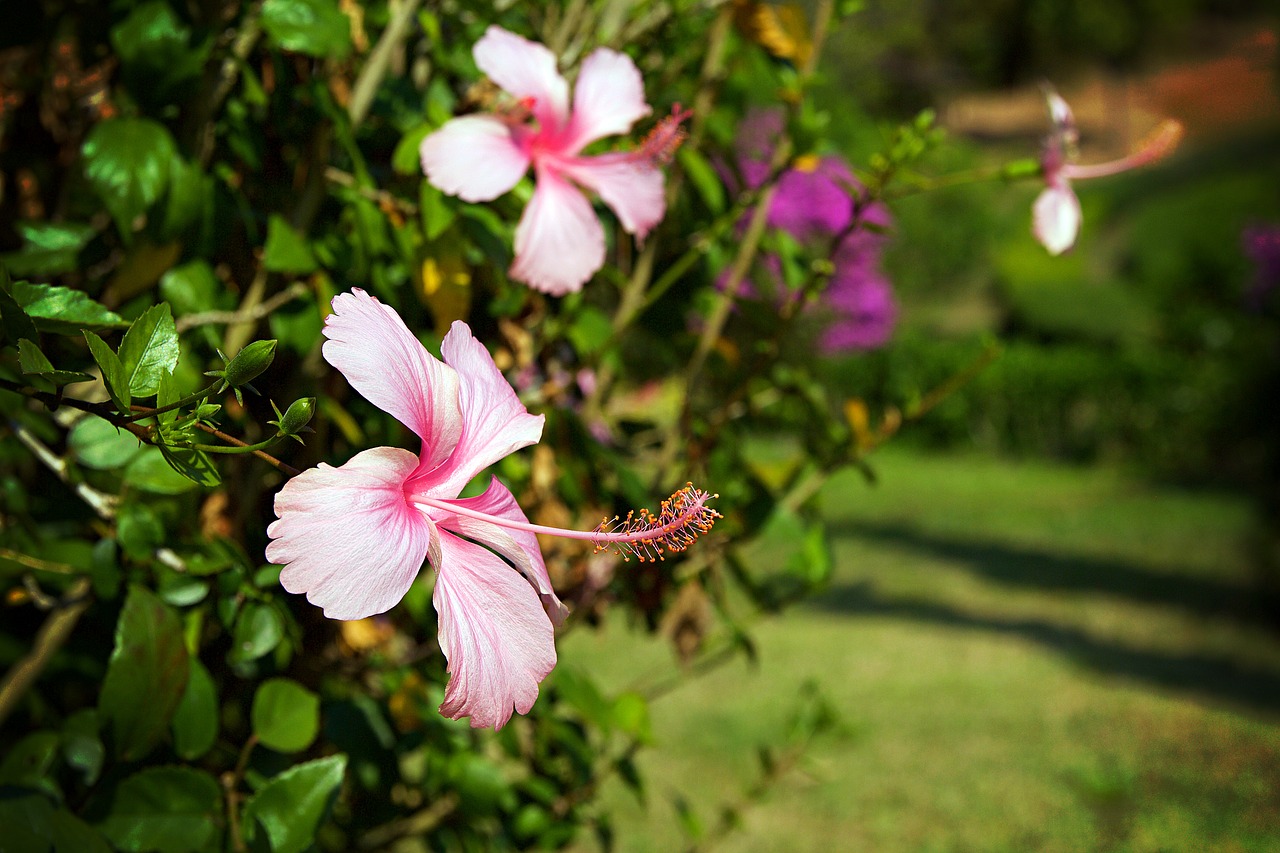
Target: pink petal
[[474, 158], [607, 99], [382, 360], [525, 69], [494, 633], [633, 188], [518, 547], [347, 537], [559, 241], [494, 421], [1055, 218]]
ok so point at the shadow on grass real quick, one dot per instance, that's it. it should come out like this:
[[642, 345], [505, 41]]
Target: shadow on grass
[[1208, 675], [1028, 567]]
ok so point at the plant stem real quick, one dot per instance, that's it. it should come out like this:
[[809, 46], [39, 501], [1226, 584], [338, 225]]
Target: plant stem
[[49, 638]]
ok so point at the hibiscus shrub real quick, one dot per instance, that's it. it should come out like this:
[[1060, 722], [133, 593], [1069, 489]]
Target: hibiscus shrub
[[289, 284]]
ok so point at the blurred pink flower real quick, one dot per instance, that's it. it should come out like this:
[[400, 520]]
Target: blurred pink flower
[[1056, 216], [1262, 245], [353, 538], [559, 241]]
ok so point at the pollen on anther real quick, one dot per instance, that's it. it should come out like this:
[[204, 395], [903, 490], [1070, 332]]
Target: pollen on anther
[[680, 520]]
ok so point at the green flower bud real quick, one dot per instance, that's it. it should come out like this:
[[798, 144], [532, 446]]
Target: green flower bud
[[296, 418], [249, 363]]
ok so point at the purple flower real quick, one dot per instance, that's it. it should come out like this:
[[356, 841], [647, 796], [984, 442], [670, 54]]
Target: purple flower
[[813, 201]]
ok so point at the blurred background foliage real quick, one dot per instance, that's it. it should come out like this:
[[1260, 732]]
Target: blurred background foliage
[[258, 158]]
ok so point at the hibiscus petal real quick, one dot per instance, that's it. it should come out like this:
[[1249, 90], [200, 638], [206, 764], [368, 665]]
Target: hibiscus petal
[[519, 547], [494, 421], [607, 99], [347, 537], [525, 69], [633, 188], [559, 241], [1055, 218], [494, 633], [473, 157], [382, 360]]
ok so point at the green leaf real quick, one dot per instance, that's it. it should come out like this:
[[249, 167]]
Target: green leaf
[[100, 445], [292, 806], [405, 159], [35, 363], [192, 288], [286, 250], [195, 465], [190, 189], [48, 248], [30, 762], [195, 722], [146, 675], [139, 531], [631, 716], [151, 471], [82, 746], [62, 310], [591, 331], [313, 27], [174, 809], [15, 324], [286, 715], [149, 350], [703, 177], [155, 51], [127, 162], [258, 631], [436, 211], [112, 371], [32, 823]]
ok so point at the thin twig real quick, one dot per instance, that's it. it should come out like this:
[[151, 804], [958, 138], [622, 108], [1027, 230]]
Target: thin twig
[[100, 502], [52, 635], [375, 67], [251, 314], [261, 454]]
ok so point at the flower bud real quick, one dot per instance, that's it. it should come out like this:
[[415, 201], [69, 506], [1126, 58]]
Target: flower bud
[[295, 419], [249, 363]]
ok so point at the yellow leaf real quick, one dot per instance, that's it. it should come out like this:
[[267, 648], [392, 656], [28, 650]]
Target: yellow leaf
[[782, 29], [855, 412], [444, 287]]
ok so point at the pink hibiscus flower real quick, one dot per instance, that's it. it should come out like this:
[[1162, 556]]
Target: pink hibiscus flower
[[353, 538], [1056, 216], [559, 241]]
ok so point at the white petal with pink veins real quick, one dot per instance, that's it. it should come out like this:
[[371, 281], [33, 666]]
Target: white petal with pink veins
[[473, 157], [559, 241]]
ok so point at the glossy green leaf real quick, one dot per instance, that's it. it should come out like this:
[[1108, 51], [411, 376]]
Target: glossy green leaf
[[112, 372], [101, 446], [195, 722], [286, 715], [291, 807], [258, 630], [48, 248], [286, 250], [190, 190], [150, 471], [62, 310], [313, 27], [127, 162], [35, 363], [149, 350], [174, 809], [149, 660]]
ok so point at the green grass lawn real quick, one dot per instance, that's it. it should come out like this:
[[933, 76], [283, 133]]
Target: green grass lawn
[[1024, 657]]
